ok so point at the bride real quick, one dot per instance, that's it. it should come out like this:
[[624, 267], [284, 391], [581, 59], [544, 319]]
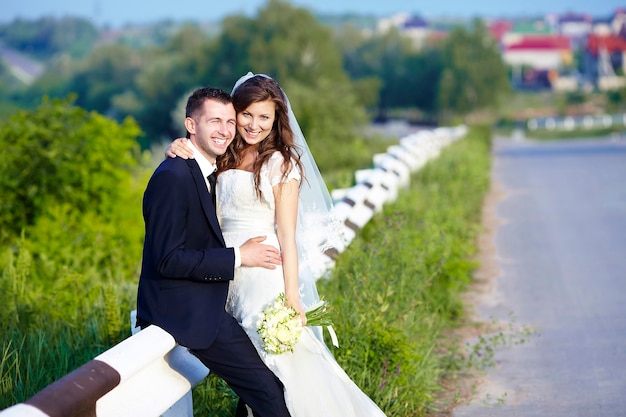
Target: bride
[[268, 184]]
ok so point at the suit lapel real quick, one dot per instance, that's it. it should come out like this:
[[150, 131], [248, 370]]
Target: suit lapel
[[205, 198]]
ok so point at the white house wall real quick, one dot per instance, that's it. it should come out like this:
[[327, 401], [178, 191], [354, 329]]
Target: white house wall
[[534, 58]]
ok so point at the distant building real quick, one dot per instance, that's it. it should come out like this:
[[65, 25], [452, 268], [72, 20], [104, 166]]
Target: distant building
[[526, 29], [542, 51], [576, 27], [539, 52], [414, 27], [394, 21], [605, 61], [611, 25], [417, 29], [618, 23], [602, 26]]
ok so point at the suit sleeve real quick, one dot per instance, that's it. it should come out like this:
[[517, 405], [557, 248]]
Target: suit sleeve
[[176, 251]]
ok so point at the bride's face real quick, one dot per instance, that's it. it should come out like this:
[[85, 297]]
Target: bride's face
[[255, 122]]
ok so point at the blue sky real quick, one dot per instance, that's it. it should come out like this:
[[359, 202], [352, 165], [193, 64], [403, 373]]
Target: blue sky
[[119, 12]]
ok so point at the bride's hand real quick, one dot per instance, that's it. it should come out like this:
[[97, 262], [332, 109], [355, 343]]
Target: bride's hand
[[297, 305], [179, 148]]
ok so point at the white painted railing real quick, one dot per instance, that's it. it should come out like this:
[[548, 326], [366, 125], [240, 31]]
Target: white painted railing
[[374, 187], [567, 123], [148, 374]]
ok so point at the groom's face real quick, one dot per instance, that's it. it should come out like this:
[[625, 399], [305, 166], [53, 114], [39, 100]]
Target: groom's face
[[213, 128]]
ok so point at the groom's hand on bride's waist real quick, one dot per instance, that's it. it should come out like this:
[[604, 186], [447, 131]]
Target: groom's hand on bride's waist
[[255, 253]]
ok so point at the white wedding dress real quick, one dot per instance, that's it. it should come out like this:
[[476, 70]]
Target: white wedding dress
[[315, 385]]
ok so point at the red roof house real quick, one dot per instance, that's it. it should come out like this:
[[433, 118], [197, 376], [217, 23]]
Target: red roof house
[[539, 52], [612, 44]]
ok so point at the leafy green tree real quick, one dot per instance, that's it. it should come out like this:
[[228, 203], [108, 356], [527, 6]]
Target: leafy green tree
[[408, 77], [55, 81], [268, 43], [70, 241], [380, 56], [391, 50], [616, 99], [180, 66], [474, 75], [109, 70], [420, 83], [61, 154], [334, 144], [368, 84]]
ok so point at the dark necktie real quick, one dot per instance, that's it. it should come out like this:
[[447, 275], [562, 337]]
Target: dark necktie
[[212, 179]]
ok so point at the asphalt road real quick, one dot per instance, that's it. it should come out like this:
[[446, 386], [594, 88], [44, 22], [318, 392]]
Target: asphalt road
[[561, 257]]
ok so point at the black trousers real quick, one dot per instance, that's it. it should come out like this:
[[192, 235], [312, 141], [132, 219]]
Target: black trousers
[[233, 358]]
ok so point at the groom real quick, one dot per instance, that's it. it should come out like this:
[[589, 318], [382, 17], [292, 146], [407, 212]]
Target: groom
[[186, 265]]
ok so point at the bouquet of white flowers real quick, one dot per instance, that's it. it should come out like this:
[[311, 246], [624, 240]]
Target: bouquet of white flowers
[[280, 327]]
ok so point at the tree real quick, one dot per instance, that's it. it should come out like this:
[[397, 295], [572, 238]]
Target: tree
[[180, 66], [328, 114], [269, 44], [379, 57], [425, 73], [474, 75], [408, 77], [61, 154], [109, 70]]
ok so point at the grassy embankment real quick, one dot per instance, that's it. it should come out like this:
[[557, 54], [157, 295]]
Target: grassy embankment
[[394, 291]]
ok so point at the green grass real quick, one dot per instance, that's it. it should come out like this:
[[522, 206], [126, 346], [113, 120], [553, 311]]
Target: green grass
[[398, 285], [546, 135], [394, 291]]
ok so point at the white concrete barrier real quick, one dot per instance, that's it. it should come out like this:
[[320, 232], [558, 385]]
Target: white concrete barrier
[[395, 166], [392, 170], [382, 186], [145, 375]]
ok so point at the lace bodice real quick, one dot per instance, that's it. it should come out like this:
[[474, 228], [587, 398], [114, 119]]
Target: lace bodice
[[239, 208]]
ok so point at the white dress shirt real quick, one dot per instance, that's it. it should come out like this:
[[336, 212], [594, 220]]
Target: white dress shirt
[[207, 168]]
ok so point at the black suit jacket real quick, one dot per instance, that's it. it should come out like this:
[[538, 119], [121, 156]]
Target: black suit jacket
[[186, 266]]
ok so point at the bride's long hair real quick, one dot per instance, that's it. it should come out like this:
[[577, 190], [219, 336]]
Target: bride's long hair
[[281, 138]]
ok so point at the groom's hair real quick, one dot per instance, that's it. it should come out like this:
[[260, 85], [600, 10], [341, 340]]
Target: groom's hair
[[197, 98]]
